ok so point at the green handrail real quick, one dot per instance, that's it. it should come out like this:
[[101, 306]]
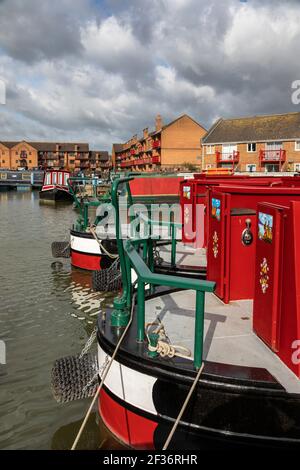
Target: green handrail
[[146, 276], [122, 304], [133, 254], [173, 229]]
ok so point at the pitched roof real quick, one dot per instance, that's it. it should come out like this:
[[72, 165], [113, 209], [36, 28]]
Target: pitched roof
[[51, 146], [8, 144], [275, 127]]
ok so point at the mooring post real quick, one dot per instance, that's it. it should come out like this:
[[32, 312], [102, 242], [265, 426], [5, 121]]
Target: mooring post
[[199, 328], [173, 246], [140, 311]]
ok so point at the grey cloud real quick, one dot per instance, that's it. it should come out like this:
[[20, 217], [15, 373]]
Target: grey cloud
[[32, 30], [111, 68]]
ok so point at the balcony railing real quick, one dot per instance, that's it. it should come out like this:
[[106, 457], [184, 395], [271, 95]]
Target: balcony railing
[[233, 157], [140, 161], [156, 144], [156, 159], [272, 156]]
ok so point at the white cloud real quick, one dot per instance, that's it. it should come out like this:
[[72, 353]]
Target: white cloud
[[75, 72]]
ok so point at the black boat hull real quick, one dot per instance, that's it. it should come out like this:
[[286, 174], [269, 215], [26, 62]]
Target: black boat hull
[[232, 406], [56, 195]]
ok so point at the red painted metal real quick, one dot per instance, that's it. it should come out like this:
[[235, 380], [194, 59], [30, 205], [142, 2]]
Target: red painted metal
[[156, 144], [156, 186], [226, 274], [272, 156], [276, 310], [268, 271], [217, 247], [85, 261], [233, 157], [200, 195], [131, 428], [289, 346]]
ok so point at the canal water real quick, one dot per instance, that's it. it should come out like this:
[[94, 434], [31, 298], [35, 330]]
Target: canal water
[[46, 312]]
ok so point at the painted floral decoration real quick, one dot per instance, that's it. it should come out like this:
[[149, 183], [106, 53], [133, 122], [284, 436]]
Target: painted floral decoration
[[215, 244], [264, 276]]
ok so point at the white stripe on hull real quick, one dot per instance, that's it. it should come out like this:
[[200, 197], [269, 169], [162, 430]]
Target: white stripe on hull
[[129, 385], [85, 245]]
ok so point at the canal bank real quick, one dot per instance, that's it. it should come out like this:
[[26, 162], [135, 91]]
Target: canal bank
[[46, 312]]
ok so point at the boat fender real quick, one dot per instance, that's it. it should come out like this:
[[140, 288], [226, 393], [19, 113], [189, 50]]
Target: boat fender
[[107, 280], [74, 377], [60, 250]]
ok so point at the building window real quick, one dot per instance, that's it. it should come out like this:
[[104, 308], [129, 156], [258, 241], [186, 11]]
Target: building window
[[3, 161], [251, 147], [297, 167], [210, 150], [16, 153], [29, 161], [17, 161], [251, 167], [297, 145], [272, 168]]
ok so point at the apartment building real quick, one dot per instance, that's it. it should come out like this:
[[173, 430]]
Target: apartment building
[[100, 161], [259, 143], [168, 147], [72, 156]]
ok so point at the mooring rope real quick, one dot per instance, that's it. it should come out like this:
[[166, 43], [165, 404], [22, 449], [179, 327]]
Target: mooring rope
[[103, 378], [183, 408], [164, 347], [110, 255]]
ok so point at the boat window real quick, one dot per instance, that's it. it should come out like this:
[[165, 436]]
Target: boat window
[[48, 178], [54, 178], [60, 178], [66, 175]]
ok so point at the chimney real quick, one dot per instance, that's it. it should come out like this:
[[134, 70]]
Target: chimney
[[145, 133], [158, 122]]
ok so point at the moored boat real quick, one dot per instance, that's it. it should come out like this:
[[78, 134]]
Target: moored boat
[[248, 393], [55, 186]]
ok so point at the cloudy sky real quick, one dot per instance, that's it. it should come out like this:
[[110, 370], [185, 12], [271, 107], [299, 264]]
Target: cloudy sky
[[100, 70]]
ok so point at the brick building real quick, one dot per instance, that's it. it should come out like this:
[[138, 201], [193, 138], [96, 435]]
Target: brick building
[[72, 156], [258, 143], [168, 147], [100, 160]]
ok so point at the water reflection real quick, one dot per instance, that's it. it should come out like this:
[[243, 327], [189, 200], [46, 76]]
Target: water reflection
[[45, 313]]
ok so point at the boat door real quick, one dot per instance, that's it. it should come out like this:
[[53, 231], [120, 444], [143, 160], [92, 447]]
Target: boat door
[[217, 241]]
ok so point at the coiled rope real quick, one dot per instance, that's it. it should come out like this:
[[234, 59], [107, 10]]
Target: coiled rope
[[163, 347], [107, 368]]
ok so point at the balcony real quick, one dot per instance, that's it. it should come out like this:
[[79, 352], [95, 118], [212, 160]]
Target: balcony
[[272, 156], [233, 157], [80, 156], [156, 144], [156, 159], [127, 163]]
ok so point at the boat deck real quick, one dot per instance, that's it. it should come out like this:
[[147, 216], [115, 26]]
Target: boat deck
[[185, 255], [229, 338]]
